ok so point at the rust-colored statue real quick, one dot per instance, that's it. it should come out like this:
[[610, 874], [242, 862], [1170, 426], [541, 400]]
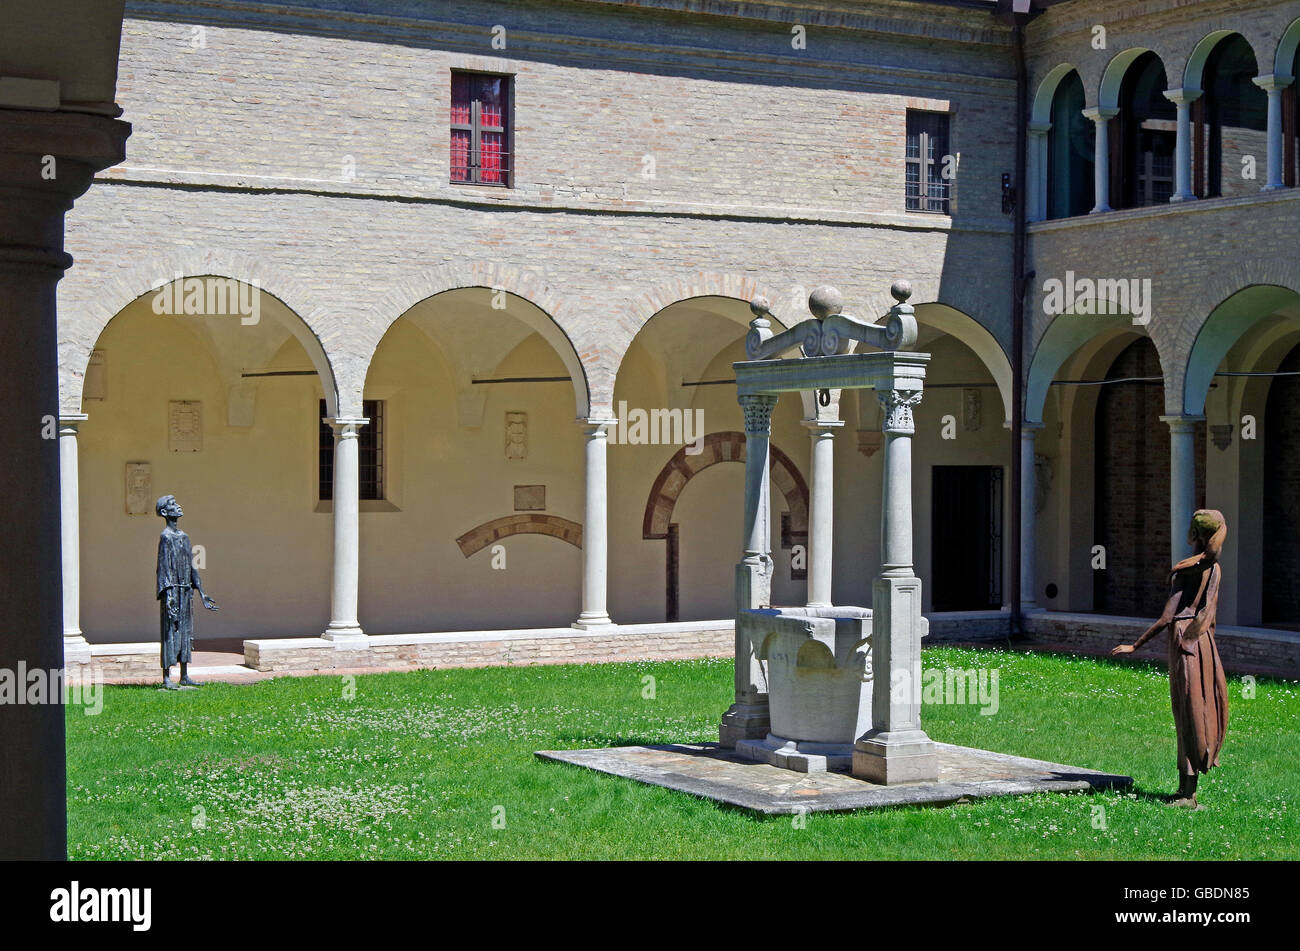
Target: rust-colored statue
[[1196, 682]]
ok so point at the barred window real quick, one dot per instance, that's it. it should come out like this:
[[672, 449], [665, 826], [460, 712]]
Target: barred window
[[927, 146], [370, 443], [480, 129]]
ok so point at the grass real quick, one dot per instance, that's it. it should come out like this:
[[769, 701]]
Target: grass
[[439, 764]]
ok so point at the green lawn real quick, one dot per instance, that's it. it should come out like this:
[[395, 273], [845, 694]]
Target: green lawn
[[439, 764]]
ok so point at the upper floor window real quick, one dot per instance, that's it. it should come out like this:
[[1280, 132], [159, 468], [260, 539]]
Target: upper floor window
[[1142, 154], [927, 149], [370, 442], [480, 129]]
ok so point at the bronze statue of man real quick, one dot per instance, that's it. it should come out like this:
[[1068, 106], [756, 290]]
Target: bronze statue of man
[[178, 579], [1197, 686]]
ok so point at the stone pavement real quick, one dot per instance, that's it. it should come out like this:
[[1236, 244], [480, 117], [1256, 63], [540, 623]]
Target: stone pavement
[[709, 771]]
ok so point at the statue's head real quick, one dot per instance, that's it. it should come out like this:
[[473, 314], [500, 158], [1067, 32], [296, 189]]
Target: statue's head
[[1207, 525], [168, 507]]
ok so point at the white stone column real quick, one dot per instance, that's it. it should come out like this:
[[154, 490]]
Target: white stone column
[[75, 648], [1182, 481], [595, 527], [1101, 157], [1183, 99], [1028, 516], [1273, 85], [47, 160], [748, 717], [821, 510], [896, 749], [1038, 165], [344, 629]]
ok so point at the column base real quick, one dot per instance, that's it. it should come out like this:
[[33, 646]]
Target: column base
[[76, 650], [893, 759], [1173, 199], [587, 622], [348, 638], [1277, 186], [744, 721]]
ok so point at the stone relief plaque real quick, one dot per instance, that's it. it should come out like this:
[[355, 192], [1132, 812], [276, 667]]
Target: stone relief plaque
[[95, 386], [185, 426], [139, 488], [972, 409], [530, 498], [516, 435]]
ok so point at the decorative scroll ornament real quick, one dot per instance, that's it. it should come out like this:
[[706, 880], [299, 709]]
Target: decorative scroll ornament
[[758, 413], [829, 332], [897, 405]]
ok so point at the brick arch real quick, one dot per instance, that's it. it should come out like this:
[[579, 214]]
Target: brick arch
[[719, 447], [583, 365], [535, 523], [96, 304]]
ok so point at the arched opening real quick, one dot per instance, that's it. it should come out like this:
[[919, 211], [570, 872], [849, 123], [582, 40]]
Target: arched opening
[[1230, 380], [1071, 148], [1142, 154], [1230, 122], [477, 408], [1132, 485], [1281, 497], [1291, 112], [207, 389], [679, 367], [686, 465]]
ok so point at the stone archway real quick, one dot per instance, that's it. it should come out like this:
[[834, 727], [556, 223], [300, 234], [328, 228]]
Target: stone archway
[[682, 467], [532, 523]]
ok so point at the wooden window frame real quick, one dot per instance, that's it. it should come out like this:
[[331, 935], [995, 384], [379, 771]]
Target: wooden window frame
[[475, 128], [925, 164]]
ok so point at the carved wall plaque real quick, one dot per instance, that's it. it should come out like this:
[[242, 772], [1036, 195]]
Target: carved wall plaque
[[139, 488], [95, 386], [185, 426], [516, 435], [530, 498], [972, 409]]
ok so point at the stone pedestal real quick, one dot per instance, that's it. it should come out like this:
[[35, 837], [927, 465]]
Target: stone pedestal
[[747, 718], [895, 749]]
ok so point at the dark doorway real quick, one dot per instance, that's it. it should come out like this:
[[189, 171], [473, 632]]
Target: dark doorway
[[966, 557], [1281, 500]]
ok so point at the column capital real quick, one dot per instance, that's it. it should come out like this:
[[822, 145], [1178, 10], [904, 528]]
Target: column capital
[[346, 425], [897, 406], [1273, 82], [71, 421], [1040, 128], [1098, 113], [1182, 424], [826, 426], [597, 425], [1182, 97], [758, 412]]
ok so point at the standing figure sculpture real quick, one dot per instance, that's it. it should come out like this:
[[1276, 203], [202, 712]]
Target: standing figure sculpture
[[177, 581], [1197, 685]]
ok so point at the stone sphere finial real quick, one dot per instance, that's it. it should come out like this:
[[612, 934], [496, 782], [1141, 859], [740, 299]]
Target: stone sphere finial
[[825, 301], [901, 290], [760, 306]]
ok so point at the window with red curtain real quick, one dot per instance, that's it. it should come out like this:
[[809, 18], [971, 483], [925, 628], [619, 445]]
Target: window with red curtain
[[480, 129]]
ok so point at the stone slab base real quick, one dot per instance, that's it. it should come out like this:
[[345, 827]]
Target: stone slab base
[[802, 757], [1245, 650], [726, 777], [566, 645]]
